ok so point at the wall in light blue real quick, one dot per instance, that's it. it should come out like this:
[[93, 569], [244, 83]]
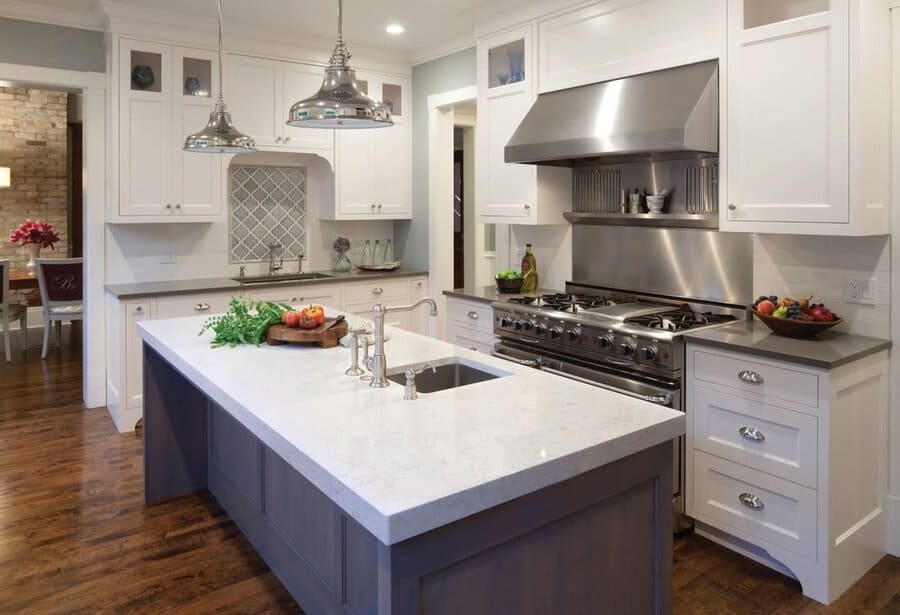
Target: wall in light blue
[[40, 44], [450, 72]]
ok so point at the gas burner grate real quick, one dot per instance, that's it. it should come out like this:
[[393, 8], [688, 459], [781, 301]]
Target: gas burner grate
[[679, 320]]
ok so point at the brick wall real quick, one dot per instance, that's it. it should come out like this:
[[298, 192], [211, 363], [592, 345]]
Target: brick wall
[[33, 145]]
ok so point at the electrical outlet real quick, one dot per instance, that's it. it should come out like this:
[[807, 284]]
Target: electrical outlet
[[853, 291], [168, 257]]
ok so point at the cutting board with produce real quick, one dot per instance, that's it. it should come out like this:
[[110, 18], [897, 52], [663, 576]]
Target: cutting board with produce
[[307, 326]]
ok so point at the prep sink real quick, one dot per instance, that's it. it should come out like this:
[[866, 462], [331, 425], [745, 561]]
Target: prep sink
[[287, 277], [449, 373]]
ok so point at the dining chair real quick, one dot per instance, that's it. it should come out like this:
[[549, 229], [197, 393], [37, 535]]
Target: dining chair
[[62, 294], [10, 311]]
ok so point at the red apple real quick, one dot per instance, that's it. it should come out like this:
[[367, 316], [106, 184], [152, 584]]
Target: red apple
[[765, 307], [821, 314], [291, 319]]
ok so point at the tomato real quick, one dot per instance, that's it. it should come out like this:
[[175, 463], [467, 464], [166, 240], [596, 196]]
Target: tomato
[[316, 313], [291, 319]]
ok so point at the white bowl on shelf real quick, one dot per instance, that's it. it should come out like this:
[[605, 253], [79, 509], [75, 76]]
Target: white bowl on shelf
[[655, 203]]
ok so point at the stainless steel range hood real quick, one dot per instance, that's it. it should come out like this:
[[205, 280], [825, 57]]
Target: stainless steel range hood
[[672, 113]]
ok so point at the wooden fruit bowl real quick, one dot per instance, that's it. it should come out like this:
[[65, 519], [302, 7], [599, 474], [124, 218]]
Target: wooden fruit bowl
[[795, 328]]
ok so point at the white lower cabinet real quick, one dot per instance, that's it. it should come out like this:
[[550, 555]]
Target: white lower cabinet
[[125, 350], [470, 324], [786, 462]]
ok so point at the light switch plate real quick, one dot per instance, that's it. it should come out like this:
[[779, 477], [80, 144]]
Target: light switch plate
[[862, 292]]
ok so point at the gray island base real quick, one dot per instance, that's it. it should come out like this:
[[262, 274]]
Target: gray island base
[[600, 542]]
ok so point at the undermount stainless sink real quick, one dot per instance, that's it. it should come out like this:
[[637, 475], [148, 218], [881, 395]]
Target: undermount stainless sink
[[287, 277], [449, 373]]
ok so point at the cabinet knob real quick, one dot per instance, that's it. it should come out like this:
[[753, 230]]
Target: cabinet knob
[[202, 306], [473, 315], [527, 207], [752, 433], [138, 310], [377, 290], [751, 501], [277, 139], [732, 206], [177, 205], [379, 206], [286, 139], [294, 300], [168, 206], [750, 376]]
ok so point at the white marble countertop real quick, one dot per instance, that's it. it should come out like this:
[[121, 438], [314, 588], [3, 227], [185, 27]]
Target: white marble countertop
[[402, 468]]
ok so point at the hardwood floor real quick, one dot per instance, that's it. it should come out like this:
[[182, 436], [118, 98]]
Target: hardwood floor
[[75, 536]]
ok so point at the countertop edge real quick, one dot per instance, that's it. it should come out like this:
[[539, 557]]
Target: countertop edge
[[789, 357], [225, 284]]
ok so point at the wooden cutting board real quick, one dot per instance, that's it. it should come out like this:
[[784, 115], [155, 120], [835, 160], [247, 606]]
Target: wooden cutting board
[[323, 336]]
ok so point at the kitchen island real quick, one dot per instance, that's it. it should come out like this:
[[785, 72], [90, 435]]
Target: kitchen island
[[525, 493]]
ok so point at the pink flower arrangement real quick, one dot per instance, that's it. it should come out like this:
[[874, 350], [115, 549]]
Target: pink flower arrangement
[[34, 231]]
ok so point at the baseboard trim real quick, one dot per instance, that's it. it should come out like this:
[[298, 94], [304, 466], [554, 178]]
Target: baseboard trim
[[892, 510]]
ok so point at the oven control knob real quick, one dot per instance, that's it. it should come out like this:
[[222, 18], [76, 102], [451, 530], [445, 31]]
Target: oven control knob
[[555, 332], [527, 325], [573, 335], [519, 324], [647, 353], [604, 341], [625, 350], [506, 321], [540, 329]]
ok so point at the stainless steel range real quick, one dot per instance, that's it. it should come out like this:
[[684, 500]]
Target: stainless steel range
[[620, 338]]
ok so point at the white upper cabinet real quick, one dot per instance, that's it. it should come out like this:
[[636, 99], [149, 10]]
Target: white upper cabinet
[[806, 116], [260, 93], [163, 93], [616, 38], [507, 192], [373, 167]]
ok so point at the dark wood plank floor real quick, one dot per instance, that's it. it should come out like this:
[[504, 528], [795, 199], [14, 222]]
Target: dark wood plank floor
[[75, 536]]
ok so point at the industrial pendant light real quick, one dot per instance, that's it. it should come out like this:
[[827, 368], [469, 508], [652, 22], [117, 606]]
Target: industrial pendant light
[[339, 103], [220, 136]]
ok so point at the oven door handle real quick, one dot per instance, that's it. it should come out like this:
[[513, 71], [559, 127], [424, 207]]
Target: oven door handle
[[663, 399], [525, 362]]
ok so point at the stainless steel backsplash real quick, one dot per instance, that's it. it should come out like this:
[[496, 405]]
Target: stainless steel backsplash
[[688, 263]]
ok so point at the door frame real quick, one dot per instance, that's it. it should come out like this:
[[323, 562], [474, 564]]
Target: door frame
[[93, 87], [440, 196]]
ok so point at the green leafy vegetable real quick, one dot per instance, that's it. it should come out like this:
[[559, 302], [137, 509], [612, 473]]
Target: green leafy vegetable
[[246, 322]]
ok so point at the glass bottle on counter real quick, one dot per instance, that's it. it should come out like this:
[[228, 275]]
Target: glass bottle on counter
[[389, 251], [367, 257], [529, 271], [378, 255]]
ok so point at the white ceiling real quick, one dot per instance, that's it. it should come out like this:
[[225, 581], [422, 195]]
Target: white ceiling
[[430, 24]]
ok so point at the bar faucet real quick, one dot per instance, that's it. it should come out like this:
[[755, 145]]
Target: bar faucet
[[379, 362], [273, 268], [300, 259]]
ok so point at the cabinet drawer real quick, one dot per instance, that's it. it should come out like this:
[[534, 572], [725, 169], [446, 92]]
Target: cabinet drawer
[[378, 290], [327, 295], [785, 514], [757, 377], [471, 314], [473, 339], [192, 305], [774, 440]]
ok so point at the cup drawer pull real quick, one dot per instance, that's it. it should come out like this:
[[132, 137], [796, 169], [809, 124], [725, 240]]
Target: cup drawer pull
[[202, 306], [752, 433], [750, 376], [751, 501], [473, 315]]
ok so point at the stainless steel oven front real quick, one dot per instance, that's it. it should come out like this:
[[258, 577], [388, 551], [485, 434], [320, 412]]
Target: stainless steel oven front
[[653, 389]]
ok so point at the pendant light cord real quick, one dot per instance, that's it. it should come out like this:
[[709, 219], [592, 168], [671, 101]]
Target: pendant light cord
[[220, 103]]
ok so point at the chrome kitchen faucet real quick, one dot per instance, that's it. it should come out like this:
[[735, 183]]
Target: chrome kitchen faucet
[[379, 363]]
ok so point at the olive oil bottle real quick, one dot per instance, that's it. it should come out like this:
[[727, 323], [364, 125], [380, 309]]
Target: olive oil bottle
[[529, 271]]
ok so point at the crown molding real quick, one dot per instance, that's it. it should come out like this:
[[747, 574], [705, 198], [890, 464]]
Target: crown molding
[[26, 10], [434, 52]]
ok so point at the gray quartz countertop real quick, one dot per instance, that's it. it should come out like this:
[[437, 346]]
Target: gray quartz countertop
[[489, 294], [184, 287], [826, 350]]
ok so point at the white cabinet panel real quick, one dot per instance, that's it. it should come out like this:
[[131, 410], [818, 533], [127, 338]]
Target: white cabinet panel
[[510, 188], [788, 122], [178, 306], [135, 312], [391, 165], [254, 97], [616, 38], [354, 195]]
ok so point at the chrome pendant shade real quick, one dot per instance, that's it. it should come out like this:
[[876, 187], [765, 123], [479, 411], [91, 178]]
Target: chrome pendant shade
[[339, 103], [220, 136]]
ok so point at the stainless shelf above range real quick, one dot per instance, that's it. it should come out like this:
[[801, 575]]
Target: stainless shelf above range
[[673, 220]]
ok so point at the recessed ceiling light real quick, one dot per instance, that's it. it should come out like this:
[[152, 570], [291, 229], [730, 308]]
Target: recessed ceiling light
[[395, 28]]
